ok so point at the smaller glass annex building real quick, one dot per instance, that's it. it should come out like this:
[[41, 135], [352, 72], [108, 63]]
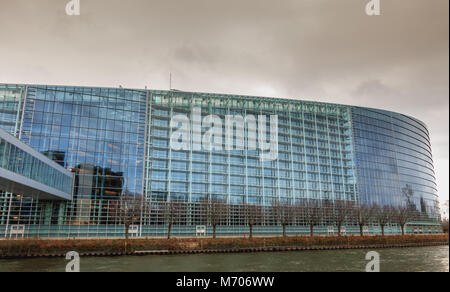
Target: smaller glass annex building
[[24, 170], [117, 143]]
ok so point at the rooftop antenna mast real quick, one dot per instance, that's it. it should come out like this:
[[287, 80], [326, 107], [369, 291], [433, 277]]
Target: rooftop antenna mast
[[170, 81]]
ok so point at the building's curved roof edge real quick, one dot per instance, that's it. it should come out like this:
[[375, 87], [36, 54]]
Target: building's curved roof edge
[[225, 94]]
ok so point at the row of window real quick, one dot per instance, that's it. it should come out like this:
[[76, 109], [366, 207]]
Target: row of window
[[240, 190]]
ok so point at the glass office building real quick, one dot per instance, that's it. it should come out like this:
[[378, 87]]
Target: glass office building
[[117, 142]]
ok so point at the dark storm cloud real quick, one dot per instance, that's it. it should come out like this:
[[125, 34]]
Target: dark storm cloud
[[312, 49]]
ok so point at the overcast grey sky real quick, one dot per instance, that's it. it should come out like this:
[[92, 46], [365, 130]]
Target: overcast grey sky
[[323, 50]]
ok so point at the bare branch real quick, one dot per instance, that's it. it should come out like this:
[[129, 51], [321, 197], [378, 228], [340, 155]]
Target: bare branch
[[174, 213], [253, 215], [217, 213], [364, 214], [402, 215], [342, 212], [283, 214]]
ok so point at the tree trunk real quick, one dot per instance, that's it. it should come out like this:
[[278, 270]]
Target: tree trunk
[[251, 231], [339, 229], [361, 227], [311, 230], [127, 230], [382, 230], [284, 230], [403, 229], [214, 231], [169, 230]]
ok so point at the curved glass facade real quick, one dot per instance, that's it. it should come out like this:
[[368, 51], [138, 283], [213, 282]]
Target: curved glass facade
[[118, 142], [392, 152]]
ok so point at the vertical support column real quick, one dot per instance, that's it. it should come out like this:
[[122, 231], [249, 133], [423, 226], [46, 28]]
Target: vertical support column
[[228, 159], [190, 204], [169, 158], [305, 154], [291, 162], [329, 156], [191, 146], [246, 149], [354, 166], [353, 147], [145, 167], [278, 166], [148, 147], [342, 159], [210, 155], [8, 214], [317, 108], [146, 144], [47, 213], [19, 108], [24, 98], [260, 155], [61, 209]]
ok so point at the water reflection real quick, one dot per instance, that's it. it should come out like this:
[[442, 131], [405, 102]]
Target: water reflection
[[425, 259]]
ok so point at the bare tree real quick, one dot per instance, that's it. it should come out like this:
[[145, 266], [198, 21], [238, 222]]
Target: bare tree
[[283, 214], [173, 213], [383, 215], [445, 225], [217, 213], [312, 214], [402, 215], [342, 212], [363, 215], [130, 212], [253, 215]]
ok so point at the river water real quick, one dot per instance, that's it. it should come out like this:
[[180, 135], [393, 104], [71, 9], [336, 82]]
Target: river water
[[422, 259]]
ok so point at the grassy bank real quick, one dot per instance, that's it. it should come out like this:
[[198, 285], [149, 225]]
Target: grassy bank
[[106, 246]]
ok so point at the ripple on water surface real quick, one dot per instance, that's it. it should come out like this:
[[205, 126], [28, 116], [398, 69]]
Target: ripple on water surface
[[423, 259]]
